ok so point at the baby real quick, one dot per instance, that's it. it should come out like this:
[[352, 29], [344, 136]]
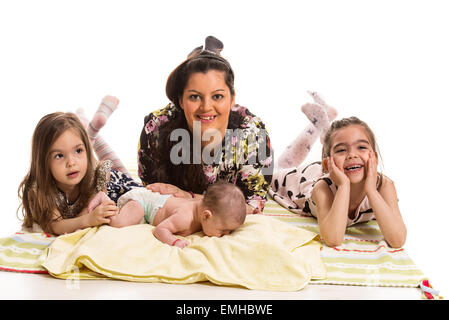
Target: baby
[[218, 213]]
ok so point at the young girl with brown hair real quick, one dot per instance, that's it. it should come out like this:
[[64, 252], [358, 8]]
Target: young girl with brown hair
[[64, 177], [345, 187]]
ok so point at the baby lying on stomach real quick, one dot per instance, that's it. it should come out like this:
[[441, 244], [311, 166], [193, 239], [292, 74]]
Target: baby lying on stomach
[[221, 210]]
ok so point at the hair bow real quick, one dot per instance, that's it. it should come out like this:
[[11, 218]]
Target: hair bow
[[212, 45]]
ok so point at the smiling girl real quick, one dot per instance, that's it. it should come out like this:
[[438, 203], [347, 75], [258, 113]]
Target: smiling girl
[[345, 187], [352, 190]]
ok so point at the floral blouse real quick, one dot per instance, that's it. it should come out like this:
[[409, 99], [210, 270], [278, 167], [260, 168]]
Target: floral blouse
[[250, 167]]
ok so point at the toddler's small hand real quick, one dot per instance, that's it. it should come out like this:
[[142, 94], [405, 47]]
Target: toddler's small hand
[[99, 198]]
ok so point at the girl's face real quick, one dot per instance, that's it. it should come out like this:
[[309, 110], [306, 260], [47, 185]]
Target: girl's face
[[68, 160], [208, 100], [350, 150]]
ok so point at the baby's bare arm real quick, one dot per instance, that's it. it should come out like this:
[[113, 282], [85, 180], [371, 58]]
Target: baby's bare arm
[[177, 223]]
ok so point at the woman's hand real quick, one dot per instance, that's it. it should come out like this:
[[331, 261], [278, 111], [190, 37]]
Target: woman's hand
[[252, 210], [371, 173], [336, 174], [166, 188], [100, 215]]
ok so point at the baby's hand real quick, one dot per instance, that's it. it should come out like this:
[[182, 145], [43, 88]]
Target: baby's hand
[[181, 243]]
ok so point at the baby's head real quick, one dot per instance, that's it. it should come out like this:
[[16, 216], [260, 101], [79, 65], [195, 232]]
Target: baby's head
[[223, 209]]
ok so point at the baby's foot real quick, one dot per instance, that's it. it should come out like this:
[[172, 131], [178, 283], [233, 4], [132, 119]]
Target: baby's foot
[[106, 108]]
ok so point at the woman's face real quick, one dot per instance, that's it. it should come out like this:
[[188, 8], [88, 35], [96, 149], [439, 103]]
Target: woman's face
[[68, 160], [207, 100]]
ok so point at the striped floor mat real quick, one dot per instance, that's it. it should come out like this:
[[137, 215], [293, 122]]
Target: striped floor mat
[[24, 252], [364, 258]]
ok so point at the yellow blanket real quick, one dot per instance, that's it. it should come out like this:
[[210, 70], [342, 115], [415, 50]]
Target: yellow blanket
[[263, 254]]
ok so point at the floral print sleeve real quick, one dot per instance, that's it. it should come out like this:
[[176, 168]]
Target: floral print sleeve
[[148, 143]]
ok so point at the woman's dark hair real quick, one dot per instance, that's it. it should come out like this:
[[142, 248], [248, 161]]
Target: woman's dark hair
[[188, 176], [201, 62]]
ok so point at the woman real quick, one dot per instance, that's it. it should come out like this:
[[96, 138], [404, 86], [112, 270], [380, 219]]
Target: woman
[[220, 140]]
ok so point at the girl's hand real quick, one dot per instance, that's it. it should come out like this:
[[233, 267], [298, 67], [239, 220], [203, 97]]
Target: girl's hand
[[99, 198], [336, 174], [166, 188], [100, 215], [371, 173]]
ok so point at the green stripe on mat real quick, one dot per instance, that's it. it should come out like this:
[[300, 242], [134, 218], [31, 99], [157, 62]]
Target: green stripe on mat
[[24, 252], [362, 259]]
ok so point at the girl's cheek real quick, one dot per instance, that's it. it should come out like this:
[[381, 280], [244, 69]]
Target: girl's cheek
[[339, 163]]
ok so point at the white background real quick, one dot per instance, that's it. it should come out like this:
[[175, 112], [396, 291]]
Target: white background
[[383, 61]]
